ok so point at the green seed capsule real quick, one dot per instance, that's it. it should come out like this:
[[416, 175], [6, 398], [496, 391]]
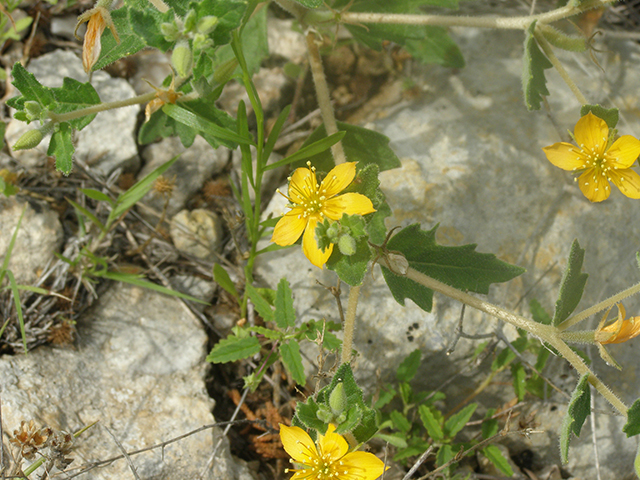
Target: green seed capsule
[[28, 140], [182, 58]]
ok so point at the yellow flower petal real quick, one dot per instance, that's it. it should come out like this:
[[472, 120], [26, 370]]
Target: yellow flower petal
[[594, 187], [310, 246], [289, 228], [625, 151], [627, 181], [332, 444], [565, 156], [298, 444], [362, 465], [592, 132], [356, 204], [303, 182], [338, 179]]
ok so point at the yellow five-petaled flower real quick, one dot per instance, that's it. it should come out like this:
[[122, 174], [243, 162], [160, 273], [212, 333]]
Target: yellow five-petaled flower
[[330, 459], [598, 164], [311, 203]]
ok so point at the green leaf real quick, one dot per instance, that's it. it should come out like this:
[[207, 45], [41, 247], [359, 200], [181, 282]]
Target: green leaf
[[460, 267], [310, 3], [267, 333], [284, 314], [400, 421], [490, 425], [88, 214], [436, 47], [144, 26], [97, 195], [360, 145], [538, 313], [398, 441], [306, 416], [292, 361], [609, 115], [457, 421], [129, 198], [205, 126], [74, 95], [577, 411], [431, 423], [409, 366], [386, 395], [16, 302], [519, 380], [351, 268], [495, 456], [261, 305], [233, 348], [632, 427], [130, 41], [30, 89], [572, 286], [444, 455], [534, 63], [223, 279], [309, 151], [61, 147]]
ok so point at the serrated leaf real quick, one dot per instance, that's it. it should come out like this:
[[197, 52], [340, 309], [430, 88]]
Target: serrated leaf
[[534, 64], [30, 88], [261, 305], [285, 315], [223, 279], [577, 411], [233, 348], [385, 396], [572, 286], [307, 416], [460, 267], [495, 456], [360, 145], [74, 95], [145, 24], [490, 426], [267, 333], [457, 421], [351, 268], [400, 421], [609, 115], [444, 455], [538, 313], [632, 427], [292, 361], [431, 423], [61, 147], [409, 366]]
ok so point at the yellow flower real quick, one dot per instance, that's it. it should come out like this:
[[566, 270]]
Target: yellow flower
[[329, 460], [598, 164], [619, 331], [98, 19], [311, 202]]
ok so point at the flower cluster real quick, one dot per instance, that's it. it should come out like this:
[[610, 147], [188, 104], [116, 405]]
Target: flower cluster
[[330, 459], [311, 203], [598, 160]]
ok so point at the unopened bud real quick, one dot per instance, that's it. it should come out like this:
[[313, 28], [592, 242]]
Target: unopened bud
[[200, 42], [32, 110], [324, 414], [207, 24], [338, 400], [398, 264], [225, 71], [170, 31], [182, 58], [190, 21], [347, 245], [29, 139], [333, 231]]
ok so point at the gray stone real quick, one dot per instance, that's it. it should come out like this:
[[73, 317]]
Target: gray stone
[[286, 41], [39, 236], [196, 165], [108, 142], [138, 370], [472, 162], [197, 232]]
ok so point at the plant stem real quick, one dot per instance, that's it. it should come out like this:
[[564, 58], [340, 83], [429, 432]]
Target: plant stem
[[558, 66], [598, 307], [65, 117], [323, 96], [509, 23], [349, 324], [546, 333]]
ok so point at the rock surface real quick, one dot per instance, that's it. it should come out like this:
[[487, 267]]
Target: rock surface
[[138, 371], [472, 162]]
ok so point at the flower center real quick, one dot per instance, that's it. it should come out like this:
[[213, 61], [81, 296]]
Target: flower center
[[308, 194]]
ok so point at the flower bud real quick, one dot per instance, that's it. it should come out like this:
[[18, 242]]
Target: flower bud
[[170, 31], [225, 71], [32, 109], [324, 414], [333, 232], [182, 58], [29, 139], [347, 245], [398, 264], [207, 24], [338, 400], [190, 20], [201, 42]]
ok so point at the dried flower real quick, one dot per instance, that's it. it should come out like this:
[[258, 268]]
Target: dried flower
[[330, 459], [29, 438], [98, 19], [598, 162], [162, 97], [311, 202], [619, 331]]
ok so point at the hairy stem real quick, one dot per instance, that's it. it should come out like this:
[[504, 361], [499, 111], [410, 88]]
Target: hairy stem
[[349, 324], [546, 333], [323, 96], [65, 117]]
